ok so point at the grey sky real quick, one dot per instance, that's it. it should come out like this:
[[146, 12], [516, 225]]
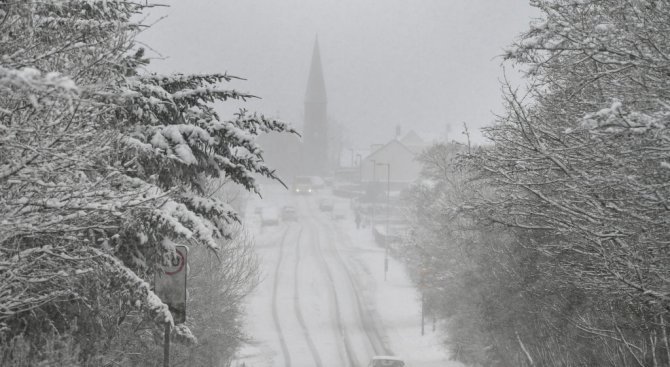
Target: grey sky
[[420, 64]]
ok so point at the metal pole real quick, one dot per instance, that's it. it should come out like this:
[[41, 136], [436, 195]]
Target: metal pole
[[360, 169], [422, 313], [166, 346], [388, 210], [374, 196]]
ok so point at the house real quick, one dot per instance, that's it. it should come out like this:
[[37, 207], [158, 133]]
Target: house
[[394, 161]]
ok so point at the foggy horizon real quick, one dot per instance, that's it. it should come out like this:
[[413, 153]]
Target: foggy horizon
[[428, 68]]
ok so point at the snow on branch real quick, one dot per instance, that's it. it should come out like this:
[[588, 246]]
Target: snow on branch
[[31, 79]]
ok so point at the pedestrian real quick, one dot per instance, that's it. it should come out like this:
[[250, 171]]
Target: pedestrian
[[358, 219]]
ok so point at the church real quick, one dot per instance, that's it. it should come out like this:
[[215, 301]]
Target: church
[[314, 153], [308, 155]]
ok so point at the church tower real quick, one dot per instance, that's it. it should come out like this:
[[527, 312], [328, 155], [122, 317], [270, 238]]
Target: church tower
[[315, 138]]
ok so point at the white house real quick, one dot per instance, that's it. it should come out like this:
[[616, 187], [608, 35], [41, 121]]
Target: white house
[[394, 162]]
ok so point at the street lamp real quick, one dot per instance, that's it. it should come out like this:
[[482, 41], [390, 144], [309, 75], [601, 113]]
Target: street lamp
[[388, 210], [374, 179], [423, 284], [360, 167]]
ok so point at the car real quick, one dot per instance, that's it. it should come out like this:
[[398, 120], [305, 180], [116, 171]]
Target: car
[[302, 185], [386, 361], [326, 205], [269, 217], [289, 214], [337, 213]]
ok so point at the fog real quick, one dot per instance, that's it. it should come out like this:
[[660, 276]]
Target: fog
[[428, 66], [143, 218]]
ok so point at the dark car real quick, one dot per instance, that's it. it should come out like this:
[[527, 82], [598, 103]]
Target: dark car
[[326, 205], [386, 361], [289, 214], [337, 213]]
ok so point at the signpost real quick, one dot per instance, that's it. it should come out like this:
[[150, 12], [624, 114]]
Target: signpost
[[422, 287], [170, 286]]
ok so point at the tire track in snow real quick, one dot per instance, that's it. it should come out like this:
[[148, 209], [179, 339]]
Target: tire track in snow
[[377, 339], [338, 316], [298, 310], [370, 326], [344, 337], [275, 316]]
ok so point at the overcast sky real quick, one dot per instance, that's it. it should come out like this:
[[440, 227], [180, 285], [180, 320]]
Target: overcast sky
[[421, 64]]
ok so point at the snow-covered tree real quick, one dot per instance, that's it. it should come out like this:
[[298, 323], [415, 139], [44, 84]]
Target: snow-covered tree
[[585, 154], [553, 251], [103, 164], [581, 157]]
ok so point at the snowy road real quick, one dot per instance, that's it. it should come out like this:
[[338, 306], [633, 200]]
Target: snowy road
[[318, 303]]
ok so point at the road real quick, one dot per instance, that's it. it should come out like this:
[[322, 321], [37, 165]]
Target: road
[[318, 302]]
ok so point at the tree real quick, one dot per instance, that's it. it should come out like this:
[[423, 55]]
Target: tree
[[581, 160], [103, 167], [586, 157], [502, 302]]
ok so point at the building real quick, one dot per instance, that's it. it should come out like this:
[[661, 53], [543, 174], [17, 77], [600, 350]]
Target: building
[[394, 161], [314, 155]]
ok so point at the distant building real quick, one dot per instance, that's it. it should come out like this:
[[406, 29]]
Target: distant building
[[315, 135], [413, 141], [309, 155], [400, 156]]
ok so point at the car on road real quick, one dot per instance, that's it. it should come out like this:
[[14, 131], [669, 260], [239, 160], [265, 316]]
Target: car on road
[[289, 214], [386, 361], [269, 217], [326, 205], [337, 213], [302, 185]]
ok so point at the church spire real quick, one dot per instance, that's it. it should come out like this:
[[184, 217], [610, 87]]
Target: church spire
[[316, 86], [315, 137]]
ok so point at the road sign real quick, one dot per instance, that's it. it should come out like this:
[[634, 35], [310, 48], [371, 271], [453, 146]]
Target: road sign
[[170, 284]]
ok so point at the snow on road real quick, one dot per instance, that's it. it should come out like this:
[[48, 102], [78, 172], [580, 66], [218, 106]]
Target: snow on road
[[323, 300]]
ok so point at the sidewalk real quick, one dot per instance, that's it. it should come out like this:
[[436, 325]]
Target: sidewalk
[[398, 304]]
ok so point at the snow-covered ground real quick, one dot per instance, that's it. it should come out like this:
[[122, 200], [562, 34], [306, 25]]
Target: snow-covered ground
[[323, 300]]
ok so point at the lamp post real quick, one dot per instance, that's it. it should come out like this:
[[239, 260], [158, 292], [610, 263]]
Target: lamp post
[[388, 212], [423, 271], [374, 197], [358, 162], [423, 314]]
